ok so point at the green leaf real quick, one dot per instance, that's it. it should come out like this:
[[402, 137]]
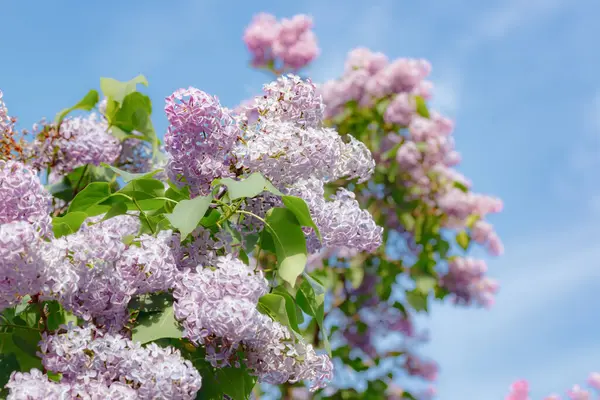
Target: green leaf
[[301, 211], [417, 300], [128, 176], [461, 186], [407, 220], [236, 382], [56, 315], [144, 189], [116, 90], [61, 190], [91, 195], [87, 103], [313, 305], [25, 360], [463, 239], [425, 283], [275, 305], [422, 107], [27, 341], [8, 364], [150, 303], [290, 244], [134, 112], [188, 213], [156, 326], [252, 186], [118, 208], [22, 306], [68, 224]]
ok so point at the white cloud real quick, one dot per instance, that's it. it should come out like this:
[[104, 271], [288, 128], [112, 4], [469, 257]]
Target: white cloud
[[509, 18], [523, 335], [447, 89]]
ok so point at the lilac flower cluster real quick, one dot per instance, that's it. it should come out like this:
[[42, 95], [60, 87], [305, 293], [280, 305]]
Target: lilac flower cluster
[[23, 197], [200, 248], [22, 262], [288, 144], [519, 390], [24, 223], [288, 44], [199, 139], [467, 283], [136, 155], [80, 141], [217, 307], [6, 122], [98, 274], [425, 153], [98, 366], [35, 385], [342, 223]]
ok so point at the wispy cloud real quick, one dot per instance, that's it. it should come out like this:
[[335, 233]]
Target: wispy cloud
[[500, 22], [557, 272]]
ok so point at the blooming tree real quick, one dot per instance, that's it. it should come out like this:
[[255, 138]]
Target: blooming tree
[[262, 244], [430, 216]]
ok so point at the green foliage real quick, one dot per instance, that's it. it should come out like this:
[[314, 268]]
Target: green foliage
[[289, 241], [128, 176], [91, 195], [281, 308], [116, 90], [188, 213], [68, 224], [156, 325], [310, 298], [88, 102], [300, 209], [252, 186]]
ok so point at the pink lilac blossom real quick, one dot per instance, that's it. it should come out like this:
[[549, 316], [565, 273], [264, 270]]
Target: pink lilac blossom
[[23, 262], [80, 141], [217, 307], [519, 390], [199, 138], [425, 149], [6, 122], [97, 274], [35, 385], [288, 44], [23, 197], [467, 283], [341, 221], [85, 354], [136, 156], [415, 366]]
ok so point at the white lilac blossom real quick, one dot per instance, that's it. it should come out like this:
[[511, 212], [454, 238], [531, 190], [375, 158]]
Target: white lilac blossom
[[200, 248], [217, 307], [136, 155], [199, 138], [287, 140], [276, 356], [341, 221], [23, 262], [287, 143], [80, 141], [92, 362], [23, 197], [98, 273]]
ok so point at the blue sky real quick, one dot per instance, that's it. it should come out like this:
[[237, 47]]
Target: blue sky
[[519, 77]]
